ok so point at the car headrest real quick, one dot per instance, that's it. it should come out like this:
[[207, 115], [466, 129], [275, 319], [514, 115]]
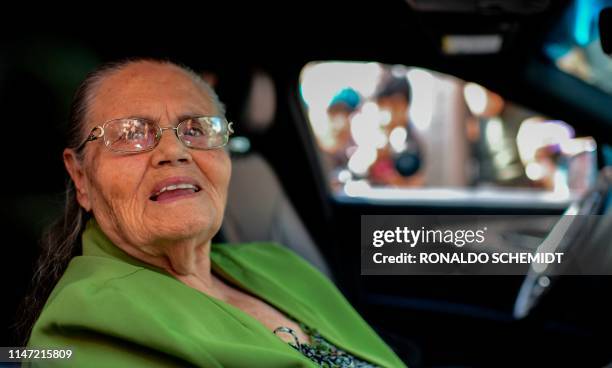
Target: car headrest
[[260, 106]]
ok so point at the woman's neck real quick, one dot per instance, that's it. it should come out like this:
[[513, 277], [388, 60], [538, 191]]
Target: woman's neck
[[186, 261]]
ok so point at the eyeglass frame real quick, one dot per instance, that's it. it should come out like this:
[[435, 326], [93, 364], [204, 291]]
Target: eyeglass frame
[[160, 131]]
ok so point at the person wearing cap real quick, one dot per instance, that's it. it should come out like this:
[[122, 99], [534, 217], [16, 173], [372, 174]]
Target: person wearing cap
[[338, 144]]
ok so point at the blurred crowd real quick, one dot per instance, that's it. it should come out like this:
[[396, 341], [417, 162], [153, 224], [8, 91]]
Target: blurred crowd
[[370, 137]]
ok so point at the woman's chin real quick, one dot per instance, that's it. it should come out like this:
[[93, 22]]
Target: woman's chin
[[184, 226]]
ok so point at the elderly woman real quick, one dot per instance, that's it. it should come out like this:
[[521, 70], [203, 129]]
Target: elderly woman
[[141, 284]]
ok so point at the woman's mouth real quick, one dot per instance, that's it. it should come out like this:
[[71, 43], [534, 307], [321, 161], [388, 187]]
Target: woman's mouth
[[174, 191]]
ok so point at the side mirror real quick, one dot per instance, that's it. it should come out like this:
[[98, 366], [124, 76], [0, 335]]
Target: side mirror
[[605, 30]]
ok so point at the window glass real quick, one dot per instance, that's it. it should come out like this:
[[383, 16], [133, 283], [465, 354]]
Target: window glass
[[394, 127]]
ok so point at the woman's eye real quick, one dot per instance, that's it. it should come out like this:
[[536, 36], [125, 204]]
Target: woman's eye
[[134, 132], [194, 132], [135, 135]]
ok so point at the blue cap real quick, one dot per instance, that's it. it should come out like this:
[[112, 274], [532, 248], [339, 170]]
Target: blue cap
[[348, 96]]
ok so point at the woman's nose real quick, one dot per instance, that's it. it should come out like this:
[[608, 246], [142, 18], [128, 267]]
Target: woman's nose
[[170, 150]]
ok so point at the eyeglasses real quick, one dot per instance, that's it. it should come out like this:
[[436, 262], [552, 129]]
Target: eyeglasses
[[132, 135]]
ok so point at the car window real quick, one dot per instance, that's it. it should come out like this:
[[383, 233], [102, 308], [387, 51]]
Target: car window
[[394, 132]]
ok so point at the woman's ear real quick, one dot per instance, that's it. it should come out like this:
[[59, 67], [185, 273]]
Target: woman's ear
[[78, 176]]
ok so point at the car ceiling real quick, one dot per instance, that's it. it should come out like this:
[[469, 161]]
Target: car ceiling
[[281, 38]]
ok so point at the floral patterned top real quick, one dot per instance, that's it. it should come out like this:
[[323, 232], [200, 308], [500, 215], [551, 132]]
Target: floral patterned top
[[321, 351]]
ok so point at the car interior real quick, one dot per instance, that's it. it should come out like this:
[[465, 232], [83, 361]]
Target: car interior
[[488, 79]]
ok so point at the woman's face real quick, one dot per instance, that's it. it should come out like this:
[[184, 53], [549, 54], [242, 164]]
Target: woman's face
[[120, 188]]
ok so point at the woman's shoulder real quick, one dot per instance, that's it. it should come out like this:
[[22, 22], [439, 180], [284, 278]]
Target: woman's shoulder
[[120, 304], [94, 284], [86, 272]]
